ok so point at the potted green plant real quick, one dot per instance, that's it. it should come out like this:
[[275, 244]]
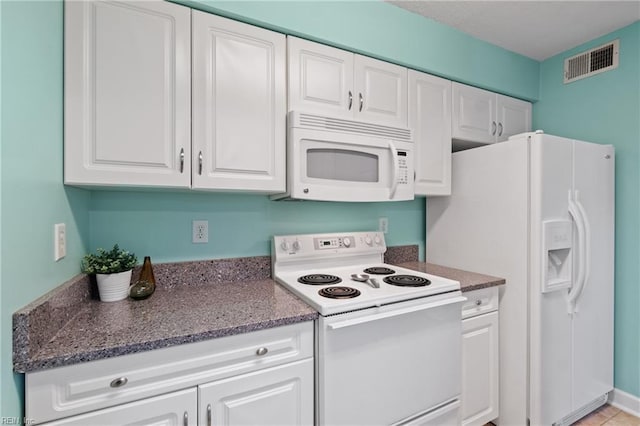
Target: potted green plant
[[113, 272]]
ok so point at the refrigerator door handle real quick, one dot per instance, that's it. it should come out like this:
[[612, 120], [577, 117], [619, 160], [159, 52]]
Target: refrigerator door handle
[[579, 266], [585, 266]]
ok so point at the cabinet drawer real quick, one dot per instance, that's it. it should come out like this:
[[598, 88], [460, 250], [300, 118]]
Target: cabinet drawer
[[480, 302], [172, 409], [65, 391]]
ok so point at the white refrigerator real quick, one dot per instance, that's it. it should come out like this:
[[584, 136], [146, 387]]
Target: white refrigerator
[[538, 210]]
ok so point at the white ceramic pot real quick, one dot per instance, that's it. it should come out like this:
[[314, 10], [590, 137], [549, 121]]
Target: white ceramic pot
[[114, 287]]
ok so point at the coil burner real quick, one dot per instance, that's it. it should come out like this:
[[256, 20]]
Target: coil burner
[[406, 281], [319, 279], [379, 270], [339, 292]]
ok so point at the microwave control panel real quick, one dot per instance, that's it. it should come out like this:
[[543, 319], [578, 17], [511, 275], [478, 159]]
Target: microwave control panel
[[403, 169]]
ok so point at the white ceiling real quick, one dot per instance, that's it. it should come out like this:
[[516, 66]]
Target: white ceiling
[[537, 29]]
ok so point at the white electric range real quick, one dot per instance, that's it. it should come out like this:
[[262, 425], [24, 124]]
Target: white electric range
[[388, 349]]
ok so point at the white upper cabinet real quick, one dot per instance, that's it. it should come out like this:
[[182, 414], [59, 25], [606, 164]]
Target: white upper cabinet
[[514, 116], [330, 81], [430, 122], [381, 90], [320, 78], [127, 93], [486, 117], [239, 106]]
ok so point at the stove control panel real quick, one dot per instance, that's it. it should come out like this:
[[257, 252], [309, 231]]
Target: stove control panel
[[327, 245], [333, 242]]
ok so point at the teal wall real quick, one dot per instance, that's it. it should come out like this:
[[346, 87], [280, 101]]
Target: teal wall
[[605, 108], [159, 224], [387, 32], [32, 195]]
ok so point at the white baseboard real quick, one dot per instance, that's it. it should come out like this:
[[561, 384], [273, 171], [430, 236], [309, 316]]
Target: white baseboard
[[625, 401]]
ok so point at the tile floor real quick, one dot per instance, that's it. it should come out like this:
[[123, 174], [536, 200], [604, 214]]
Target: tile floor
[[609, 416], [606, 415]]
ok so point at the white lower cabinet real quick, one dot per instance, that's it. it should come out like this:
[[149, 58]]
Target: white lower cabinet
[[480, 377], [172, 409], [276, 396], [262, 378]]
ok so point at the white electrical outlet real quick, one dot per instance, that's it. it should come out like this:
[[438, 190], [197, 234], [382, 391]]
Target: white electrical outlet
[[383, 225], [59, 241], [200, 231]]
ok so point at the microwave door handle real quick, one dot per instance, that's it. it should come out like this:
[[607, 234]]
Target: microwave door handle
[[394, 175]]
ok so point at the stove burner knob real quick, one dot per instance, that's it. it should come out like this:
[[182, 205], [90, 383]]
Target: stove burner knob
[[285, 246], [296, 245], [346, 242], [378, 240], [367, 240]]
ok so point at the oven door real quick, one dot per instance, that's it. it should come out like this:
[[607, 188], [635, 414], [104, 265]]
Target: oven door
[[390, 364], [334, 166]]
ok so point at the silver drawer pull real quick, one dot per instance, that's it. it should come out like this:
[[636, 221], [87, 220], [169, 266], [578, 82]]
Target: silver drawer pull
[[478, 302], [262, 351], [185, 419], [209, 415], [119, 382]]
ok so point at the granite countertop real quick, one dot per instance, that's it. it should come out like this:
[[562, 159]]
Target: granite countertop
[[174, 314], [469, 281], [194, 301]]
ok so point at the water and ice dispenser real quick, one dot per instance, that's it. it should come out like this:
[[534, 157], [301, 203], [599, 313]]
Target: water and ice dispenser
[[557, 237]]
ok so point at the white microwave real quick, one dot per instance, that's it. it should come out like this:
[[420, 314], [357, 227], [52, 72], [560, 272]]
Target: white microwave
[[333, 159]]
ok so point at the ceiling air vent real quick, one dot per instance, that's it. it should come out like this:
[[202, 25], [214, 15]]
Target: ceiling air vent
[[594, 61]]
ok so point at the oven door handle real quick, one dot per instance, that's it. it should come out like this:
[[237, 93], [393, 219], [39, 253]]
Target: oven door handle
[[396, 312], [395, 166]]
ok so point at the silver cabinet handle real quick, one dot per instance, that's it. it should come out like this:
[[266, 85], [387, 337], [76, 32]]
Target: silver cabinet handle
[[493, 127], [350, 99], [119, 382], [185, 419], [361, 101], [499, 129], [262, 351], [200, 163], [181, 160], [478, 302], [209, 415]]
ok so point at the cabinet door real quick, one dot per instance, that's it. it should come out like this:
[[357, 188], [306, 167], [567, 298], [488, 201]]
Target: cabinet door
[[430, 122], [320, 78], [380, 91], [277, 396], [172, 409], [239, 106], [514, 116], [474, 114], [480, 369], [127, 93]]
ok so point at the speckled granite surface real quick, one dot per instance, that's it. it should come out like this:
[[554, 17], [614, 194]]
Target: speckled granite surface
[[469, 281], [399, 254], [193, 301]]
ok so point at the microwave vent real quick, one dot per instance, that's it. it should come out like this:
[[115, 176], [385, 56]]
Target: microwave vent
[[311, 121], [594, 61]]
